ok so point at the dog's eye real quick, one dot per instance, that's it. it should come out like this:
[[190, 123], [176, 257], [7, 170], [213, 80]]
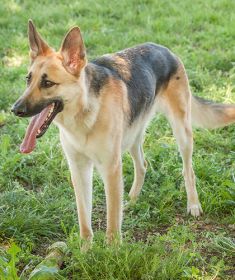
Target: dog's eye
[[47, 84]]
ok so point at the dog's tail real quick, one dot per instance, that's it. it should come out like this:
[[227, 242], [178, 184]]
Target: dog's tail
[[208, 114]]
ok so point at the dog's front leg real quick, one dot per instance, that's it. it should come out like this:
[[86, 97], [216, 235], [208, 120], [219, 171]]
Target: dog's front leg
[[81, 174], [112, 177], [81, 169]]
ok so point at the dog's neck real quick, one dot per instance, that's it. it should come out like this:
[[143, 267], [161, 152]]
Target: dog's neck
[[81, 112]]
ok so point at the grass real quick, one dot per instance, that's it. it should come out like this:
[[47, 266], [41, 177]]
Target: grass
[[37, 205]]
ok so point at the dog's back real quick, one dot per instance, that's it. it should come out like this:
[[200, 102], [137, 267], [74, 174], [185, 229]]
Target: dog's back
[[144, 69]]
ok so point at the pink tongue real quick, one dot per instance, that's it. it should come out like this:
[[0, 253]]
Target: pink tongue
[[35, 124]]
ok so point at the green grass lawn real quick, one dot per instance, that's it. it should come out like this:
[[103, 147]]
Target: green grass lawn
[[37, 204]]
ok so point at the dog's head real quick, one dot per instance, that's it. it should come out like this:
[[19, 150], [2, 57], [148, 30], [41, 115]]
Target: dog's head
[[51, 81]]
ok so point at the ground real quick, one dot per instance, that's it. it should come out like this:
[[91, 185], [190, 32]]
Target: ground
[[37, 205]]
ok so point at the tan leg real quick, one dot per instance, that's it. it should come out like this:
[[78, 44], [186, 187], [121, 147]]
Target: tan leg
[[140, 166], [81, 169], [112, 177], [176, 105], [183, 134], [81, 174]]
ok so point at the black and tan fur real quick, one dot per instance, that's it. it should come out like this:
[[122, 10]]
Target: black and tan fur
[[108, 104]]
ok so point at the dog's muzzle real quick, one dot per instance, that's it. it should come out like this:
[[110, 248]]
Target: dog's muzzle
[[19, 108]]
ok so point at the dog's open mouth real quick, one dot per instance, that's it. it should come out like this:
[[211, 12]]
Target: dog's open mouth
[[39, 125]]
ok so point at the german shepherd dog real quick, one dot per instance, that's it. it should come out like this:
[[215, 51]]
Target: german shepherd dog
[[102, 109]]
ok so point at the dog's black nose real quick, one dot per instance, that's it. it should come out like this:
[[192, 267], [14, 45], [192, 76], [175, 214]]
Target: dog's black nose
[[19, 109]]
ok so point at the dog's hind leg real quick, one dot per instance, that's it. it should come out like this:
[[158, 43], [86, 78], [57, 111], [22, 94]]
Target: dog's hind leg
[[177, 103], [140, 166], [183, 133]]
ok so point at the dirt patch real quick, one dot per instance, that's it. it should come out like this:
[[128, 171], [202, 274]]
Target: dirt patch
[[144, 235]]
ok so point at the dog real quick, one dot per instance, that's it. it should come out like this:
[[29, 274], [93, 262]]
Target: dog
[[102, 109]]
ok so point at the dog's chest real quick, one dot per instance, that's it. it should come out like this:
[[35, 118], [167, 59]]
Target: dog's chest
[[93, 146]]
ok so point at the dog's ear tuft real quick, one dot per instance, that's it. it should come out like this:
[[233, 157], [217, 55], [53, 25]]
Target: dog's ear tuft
[[37, 45], [73, 51]]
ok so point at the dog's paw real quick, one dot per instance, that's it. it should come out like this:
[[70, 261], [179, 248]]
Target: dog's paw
[[133, 195], [195, 210], [133, 200], [86, 245], [128, 204], [114, 239]]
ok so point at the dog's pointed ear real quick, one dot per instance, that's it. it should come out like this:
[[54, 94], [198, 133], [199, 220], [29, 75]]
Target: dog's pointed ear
[[37, 45], [73, 51]]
